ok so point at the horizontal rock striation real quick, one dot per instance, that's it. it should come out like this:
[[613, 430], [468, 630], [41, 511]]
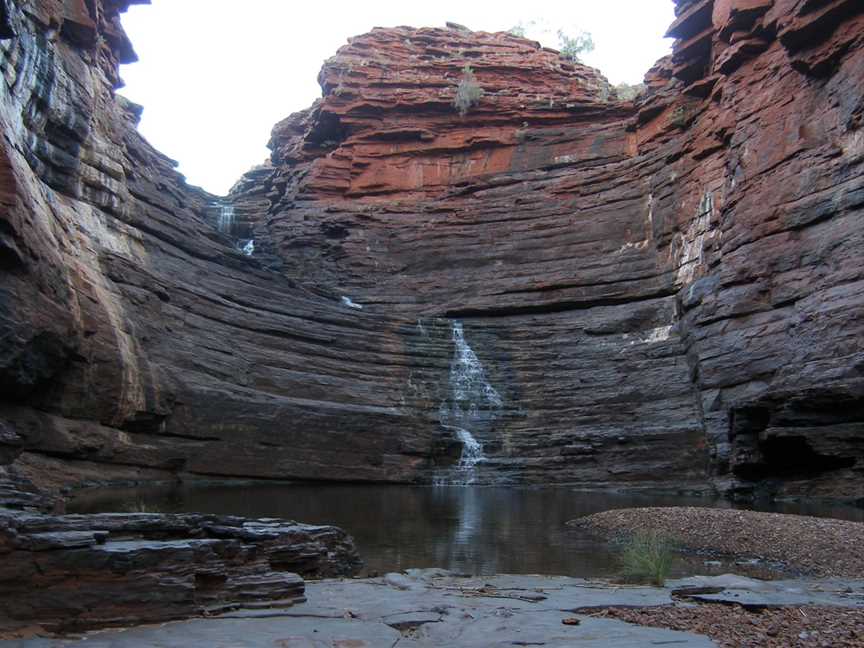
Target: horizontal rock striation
[[661, 293], [136, 342], [666, 287], [81, 571], [773, 322]]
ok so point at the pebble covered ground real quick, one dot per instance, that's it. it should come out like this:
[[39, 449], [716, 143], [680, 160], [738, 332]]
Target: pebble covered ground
[[732, 626], [804, 545]]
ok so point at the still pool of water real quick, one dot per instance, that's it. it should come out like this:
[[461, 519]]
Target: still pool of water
[[472, 530]]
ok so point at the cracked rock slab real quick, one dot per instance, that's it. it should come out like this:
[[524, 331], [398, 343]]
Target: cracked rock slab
[[436, 610]]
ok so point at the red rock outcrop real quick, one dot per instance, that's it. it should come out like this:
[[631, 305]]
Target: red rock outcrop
[[387, 127], [662, 293]]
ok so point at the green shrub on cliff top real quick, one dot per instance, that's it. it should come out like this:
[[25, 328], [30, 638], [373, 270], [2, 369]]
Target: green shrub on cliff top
[[572, 43], [572, 47]]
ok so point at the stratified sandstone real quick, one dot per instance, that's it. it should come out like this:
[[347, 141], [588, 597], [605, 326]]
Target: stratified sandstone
[[81, 571], [662, 293]]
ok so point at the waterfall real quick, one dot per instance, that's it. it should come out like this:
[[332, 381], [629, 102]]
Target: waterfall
[[226, 223], [351, 304], [225, 219], [468, 385], [472, 450], [470, 408]]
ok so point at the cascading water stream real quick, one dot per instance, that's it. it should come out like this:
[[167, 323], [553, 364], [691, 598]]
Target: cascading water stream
[[472, 450], [226, 223], [471, 407], [225, 219]]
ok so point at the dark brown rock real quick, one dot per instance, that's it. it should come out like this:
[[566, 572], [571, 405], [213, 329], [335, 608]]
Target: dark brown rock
[[80, 571]]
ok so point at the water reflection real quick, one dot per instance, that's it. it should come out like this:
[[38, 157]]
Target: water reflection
[[469, 530]]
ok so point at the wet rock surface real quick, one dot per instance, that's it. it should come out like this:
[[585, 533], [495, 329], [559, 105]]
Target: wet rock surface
[[755, 594], [425, 608], [81, 571], [434, 608]]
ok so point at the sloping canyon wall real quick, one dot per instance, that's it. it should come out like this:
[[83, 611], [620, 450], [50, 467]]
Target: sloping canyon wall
[[136, 342], [664, 293]]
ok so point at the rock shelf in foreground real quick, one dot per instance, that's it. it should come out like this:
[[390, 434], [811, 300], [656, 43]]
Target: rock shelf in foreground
[[431, 608], [84, 571]]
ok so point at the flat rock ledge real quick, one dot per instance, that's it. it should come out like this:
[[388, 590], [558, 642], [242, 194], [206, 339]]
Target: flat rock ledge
[[74, 572], [433, 608], [801, 544]]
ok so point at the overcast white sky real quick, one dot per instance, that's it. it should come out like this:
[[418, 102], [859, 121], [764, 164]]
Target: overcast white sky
[[214, 76]]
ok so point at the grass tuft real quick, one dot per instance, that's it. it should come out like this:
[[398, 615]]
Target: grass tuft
[[646, 558]]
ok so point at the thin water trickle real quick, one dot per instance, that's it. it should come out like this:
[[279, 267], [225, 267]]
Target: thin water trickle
[[472, 454], [468, 383], [472, 449], [470, 408]]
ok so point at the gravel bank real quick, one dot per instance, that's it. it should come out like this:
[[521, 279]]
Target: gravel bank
[[735, 627], [805, 545]]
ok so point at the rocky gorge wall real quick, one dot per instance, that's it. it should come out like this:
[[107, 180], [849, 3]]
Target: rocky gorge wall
[[664, 293], [136, 342]]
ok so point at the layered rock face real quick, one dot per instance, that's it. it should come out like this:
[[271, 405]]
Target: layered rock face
[[666, 288], [136, 341], [660, 294], [81, 571]]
